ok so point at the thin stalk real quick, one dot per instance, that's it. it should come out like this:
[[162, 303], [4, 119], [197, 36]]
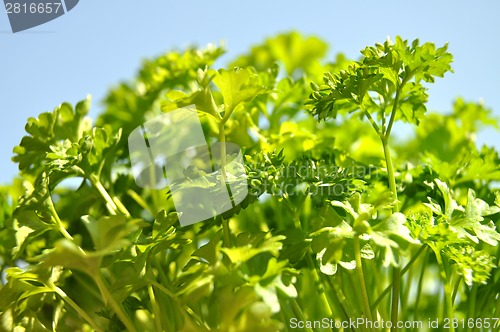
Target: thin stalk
[[225, 230], [390, 173], [406, 291], [471, 301], [372, 121], [447, 289], [139, 200], [76, 307], [403, 272], [336, 300], [120, 206], [114, 205], [419, 287], [353, 287], [455, 289], [58, 221], [319, 285], [396, 273], [362, 281], [156, 308], [344, 303], [197, 319], [116, 307], [223, 161], [387, 133], [298, 312], [110, 204]]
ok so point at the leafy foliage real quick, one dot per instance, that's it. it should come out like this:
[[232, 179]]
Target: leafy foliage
[[334, 201]]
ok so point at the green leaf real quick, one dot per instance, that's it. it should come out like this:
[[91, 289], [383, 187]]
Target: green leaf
[[255, 246], [64, 123], [237, 86], [297, 53], [392, 73], [211, 250], [67, 254], [392, 235], [163, 223], [109, 233], [470, 224]]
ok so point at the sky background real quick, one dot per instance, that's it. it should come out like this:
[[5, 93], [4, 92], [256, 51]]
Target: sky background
[[100, 43]]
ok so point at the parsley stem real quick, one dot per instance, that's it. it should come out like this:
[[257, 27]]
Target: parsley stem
[[58, 221], [76, 307], [362, 281], [319, 285], [396, 273], [403, 272], [156, 309], [110, 204], [447, 289], [223, 161], [222, 141], [372, 121], [390, 174], [108, 298], [113, 204], [339, 294], [298, 312], [189, 311], [420, 284], [471, 300], [387, 133]]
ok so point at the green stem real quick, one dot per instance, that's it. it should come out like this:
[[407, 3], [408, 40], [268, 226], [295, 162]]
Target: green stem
[[139, 200], [111, 300], [156, 309], [471, 300], [387, 133], [222, 141], [396, 273], [361, 276], [448, 292], [339, 305], [113, 204], [196, 318], [226, 116], [419, 287], [58, 221], [76, 307], [225, 230], [298, 312], [406, 291], [319, 285], [344, 303], [120, 206], [390, 173], [372, 121], [455, 289], [110, 204], [403, 272]]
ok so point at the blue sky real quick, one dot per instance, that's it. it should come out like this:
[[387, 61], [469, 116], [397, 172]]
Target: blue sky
[[100, 43]]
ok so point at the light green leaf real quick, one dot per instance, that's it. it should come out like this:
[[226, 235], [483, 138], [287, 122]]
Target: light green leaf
[[237, 86]]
